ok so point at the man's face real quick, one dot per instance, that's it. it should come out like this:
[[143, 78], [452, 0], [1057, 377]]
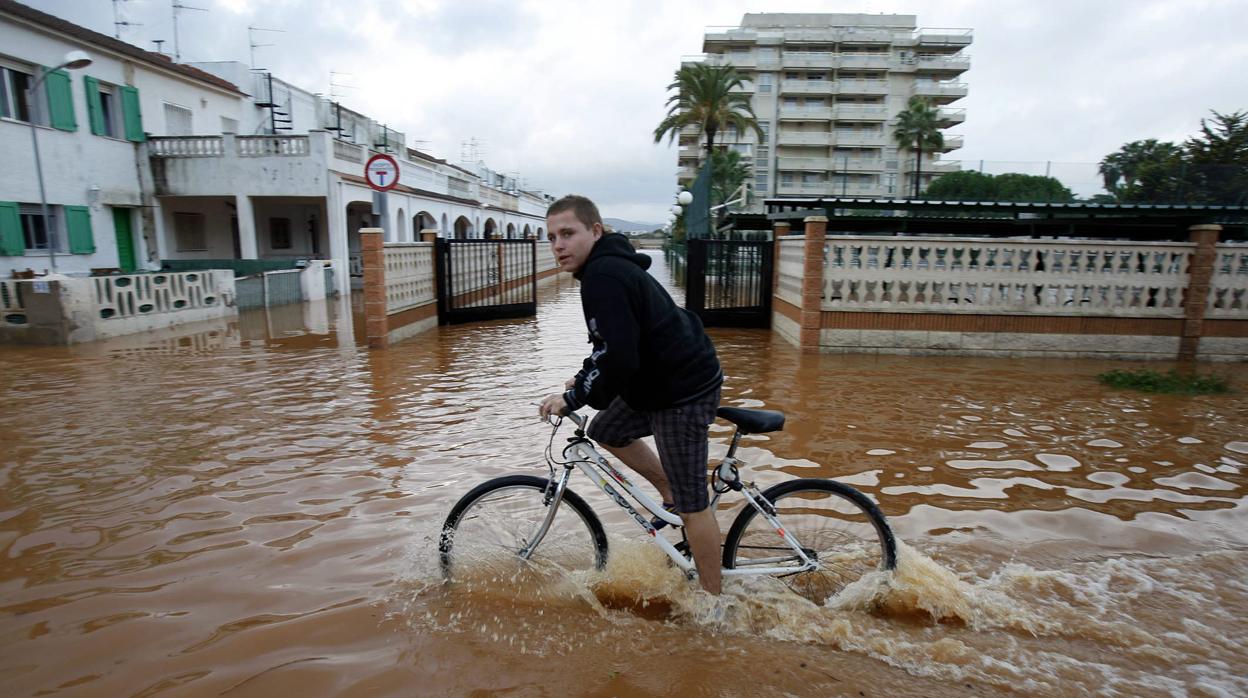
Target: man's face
[[570, 240]]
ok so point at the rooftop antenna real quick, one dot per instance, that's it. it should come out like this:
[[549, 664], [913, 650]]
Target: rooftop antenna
[[251, 39], [177, 53], [332, 84], [118, 22], [159, 45], [471, 150]]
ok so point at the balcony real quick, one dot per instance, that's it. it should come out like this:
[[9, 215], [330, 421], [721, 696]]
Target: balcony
[[808, 87], [213, 165], [937, 62], [809, 190], [862, 87], [950, 117], [942, 37], [836, 164], [861, 112], [866, 60], [859, 138], [940, 91], [951, 143], [802, 164], [788, 113], [799, 138], [810, 59]]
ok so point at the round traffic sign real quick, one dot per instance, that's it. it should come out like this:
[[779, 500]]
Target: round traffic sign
[[382, 172]]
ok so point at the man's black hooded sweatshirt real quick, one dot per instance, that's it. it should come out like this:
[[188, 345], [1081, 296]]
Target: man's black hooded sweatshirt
[[647, 350]]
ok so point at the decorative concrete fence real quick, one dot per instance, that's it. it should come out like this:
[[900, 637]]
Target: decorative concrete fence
[[67, 310], [400, 280], [1013, 297]]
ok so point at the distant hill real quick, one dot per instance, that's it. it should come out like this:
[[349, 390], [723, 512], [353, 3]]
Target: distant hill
[[622, 226]]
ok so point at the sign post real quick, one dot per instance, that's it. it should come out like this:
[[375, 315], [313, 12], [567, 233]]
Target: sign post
[[382, 174]]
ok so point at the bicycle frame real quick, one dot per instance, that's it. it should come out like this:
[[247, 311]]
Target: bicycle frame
[[580, 453]]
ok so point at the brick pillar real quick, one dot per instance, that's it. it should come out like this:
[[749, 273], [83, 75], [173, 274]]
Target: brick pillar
[[781, 229], [1199, 277], [812, 282], [428, 235], [376, 321]]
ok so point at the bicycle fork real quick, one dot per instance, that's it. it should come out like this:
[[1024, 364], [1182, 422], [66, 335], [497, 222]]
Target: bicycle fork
[[552, 501]]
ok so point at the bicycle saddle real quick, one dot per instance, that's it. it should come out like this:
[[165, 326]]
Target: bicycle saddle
[[753, 421]]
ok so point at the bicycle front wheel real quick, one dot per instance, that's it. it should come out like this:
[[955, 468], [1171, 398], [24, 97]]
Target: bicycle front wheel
[[491, 525], [837, 526]]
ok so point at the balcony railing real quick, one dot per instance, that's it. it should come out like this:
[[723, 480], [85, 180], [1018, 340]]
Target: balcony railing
[[807, 87], [861, 112], [951, 116], [797, 138], [926, 88], [862, 87], [859, 138], [806, 113], [267, 146]]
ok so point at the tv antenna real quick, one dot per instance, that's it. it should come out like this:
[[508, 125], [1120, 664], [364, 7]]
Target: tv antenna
[[251, 40], [118, 22], [332, 74], [177, 53]]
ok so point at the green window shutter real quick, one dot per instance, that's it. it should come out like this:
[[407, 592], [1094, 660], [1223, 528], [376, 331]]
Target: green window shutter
[[60, 101], [12, 242], [78, 223], [130, 111], [95, 109]]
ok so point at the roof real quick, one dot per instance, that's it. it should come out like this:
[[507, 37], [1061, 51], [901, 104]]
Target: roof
[[104, 41]]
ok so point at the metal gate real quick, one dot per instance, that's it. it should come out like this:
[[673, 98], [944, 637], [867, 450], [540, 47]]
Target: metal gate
[[728, 282], [486, 280]]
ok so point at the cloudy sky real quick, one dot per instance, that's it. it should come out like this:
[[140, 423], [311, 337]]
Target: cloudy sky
[[567, 92]]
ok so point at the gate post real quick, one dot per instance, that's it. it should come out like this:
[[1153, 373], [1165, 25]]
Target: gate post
[[373, 254], [812, 282], [1199, 277]]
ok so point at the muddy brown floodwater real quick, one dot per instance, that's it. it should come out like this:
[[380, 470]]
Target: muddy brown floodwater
[[251, 509]]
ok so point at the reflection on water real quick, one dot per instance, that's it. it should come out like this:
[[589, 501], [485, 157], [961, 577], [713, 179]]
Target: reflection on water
[[251, 508]]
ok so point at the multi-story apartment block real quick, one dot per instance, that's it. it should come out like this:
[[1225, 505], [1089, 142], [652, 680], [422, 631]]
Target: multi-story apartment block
[[826, 89]]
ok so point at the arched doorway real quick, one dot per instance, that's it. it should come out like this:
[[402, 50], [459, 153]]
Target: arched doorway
[[511, 231], [423, 221], [527, 231], [491, 228], [463, 228]]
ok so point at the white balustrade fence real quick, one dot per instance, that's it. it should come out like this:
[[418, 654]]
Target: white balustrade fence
[[187, 147], [267, 146], [792, 264], [1228, 289], [1128, 279], [119, 297], [409, 275]]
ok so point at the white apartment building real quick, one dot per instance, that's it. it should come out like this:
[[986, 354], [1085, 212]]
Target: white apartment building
[[826, 89], [150, 164]]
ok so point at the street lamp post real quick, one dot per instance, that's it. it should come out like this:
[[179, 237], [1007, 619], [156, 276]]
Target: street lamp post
[[73, 61]]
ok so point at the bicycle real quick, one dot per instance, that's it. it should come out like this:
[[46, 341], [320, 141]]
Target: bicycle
[[830, 534]]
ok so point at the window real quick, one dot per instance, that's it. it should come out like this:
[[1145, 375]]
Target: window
[[177, 120], [766, 127], [764, 82], [35, 228], [760, 182], [109, 113], [13, 102], [229, 125], [279, 233], [188, 230]]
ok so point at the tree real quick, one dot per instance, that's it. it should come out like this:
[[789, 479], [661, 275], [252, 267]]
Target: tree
[[1147, 171], [918, 129], [728, 171], [1217, 160], [709, 97], [1010, 186]]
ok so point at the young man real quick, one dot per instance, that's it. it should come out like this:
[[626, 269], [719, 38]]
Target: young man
[[653, 371]]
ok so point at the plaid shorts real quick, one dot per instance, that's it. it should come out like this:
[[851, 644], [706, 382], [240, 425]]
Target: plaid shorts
[[680, 434]]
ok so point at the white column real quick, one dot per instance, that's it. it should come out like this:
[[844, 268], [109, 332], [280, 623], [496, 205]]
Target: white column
[[246, 228], [336, 220]]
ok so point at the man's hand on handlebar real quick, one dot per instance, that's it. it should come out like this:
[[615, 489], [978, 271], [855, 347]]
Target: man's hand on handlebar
[[553, 405]]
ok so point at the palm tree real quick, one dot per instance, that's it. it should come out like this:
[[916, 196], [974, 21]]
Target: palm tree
[[728, 171], [1130, 173], [918, 129], [705, 97]]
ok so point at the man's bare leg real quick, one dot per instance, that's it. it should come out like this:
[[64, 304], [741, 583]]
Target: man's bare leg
[[642, 459], [702, 530]]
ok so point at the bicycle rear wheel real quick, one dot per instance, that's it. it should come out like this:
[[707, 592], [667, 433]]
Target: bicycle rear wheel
[[497, 519], [836, 525]]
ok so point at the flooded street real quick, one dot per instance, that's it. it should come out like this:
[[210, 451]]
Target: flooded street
[[252, 510]]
